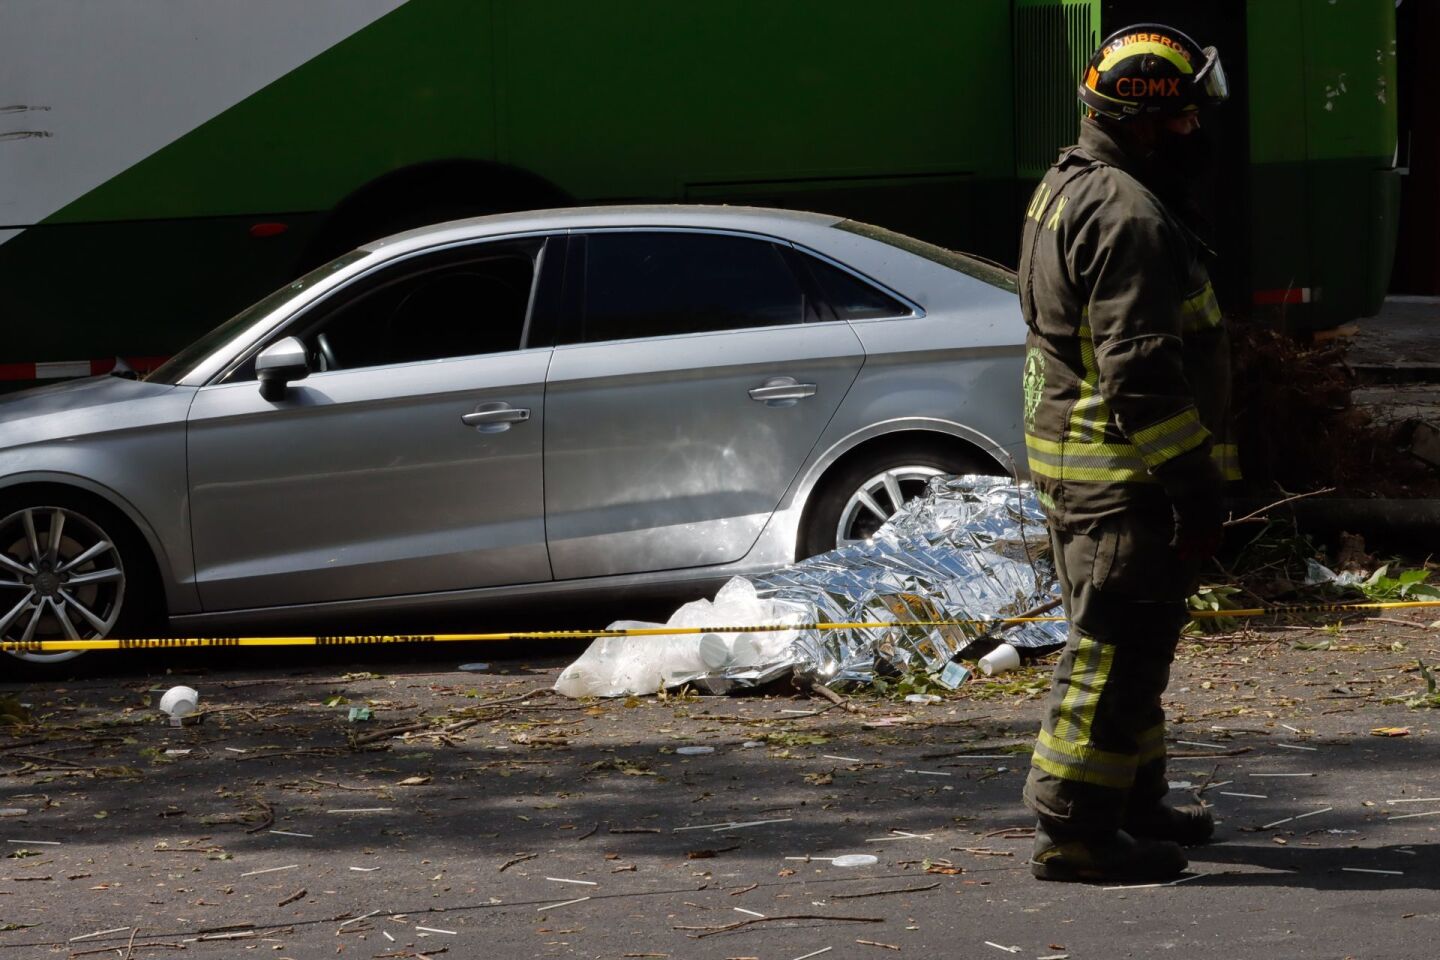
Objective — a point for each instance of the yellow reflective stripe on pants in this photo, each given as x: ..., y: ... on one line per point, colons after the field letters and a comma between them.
x: 1071, y: 761
x: 1087, y: 683
x: 1200, y: 311
x: 1086, y: 462
x: 1227, y: 458
x: 1090, y: 413
x: 1166, y: 440
x: 1152, y: 744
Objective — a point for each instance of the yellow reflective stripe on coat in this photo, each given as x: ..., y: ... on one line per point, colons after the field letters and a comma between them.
x: 1108, y: 462
x: 1200, y: 310
x: 1166, y: 440
x: 1086, y: 462
x: 1090, y: 413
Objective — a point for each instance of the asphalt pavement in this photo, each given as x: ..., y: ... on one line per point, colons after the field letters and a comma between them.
x: 475, y: 814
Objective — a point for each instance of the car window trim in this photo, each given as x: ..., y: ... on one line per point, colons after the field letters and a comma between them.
x: 576, y: 263
x: 915, y: 310
x: 277, y: 329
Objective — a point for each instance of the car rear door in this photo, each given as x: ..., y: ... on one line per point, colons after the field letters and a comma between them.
x: 693, y: 376
x: 373, y: 478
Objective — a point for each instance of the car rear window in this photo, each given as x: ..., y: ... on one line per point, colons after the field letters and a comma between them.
x: 851, y: 297
x: 663, y: 283
x: 968, y: 264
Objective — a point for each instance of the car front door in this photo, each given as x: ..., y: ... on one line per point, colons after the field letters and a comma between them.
x: 373, y: 477
x: 693, y: 377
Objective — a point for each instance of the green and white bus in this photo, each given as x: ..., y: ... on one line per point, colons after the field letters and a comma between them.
x: 165, y: 162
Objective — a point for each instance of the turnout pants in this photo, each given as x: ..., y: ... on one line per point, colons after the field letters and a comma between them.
x: 1101, y: 749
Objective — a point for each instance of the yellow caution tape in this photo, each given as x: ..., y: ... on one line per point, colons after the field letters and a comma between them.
x: 341, y: 640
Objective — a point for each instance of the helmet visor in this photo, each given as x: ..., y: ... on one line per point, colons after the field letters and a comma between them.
x: 1210, y: 80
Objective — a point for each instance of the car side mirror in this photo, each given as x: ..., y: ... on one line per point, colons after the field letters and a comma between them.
x: 279, y: 364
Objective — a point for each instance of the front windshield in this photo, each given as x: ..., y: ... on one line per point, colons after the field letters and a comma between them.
x: 175, y: 369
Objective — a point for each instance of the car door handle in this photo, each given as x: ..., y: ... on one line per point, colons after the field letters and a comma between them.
x: 782, y: 392
x: 495, y: 417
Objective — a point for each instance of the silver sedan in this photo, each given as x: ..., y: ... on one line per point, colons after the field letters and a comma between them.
x: 526, y: 406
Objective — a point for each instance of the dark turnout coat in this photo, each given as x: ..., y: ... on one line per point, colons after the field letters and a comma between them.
x: 1127, y: 378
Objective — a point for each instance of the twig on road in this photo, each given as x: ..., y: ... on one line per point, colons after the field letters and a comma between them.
x: 725, y: 928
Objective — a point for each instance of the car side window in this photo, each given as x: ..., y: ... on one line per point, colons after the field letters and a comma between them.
x: 850, y: 297
x: 457, y: 303
x: 659, y: 284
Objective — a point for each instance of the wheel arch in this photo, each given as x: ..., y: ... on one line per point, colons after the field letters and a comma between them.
x: 155, y: 557
x: 939, y: 435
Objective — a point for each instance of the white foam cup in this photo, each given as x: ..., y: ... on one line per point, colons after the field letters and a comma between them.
x: 179, y: 701
x: 999, y: 660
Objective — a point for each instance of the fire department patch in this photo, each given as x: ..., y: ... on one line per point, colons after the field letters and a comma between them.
x: 1033, y: 382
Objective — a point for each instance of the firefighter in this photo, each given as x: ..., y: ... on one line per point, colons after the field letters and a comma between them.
x: 1126, y: 384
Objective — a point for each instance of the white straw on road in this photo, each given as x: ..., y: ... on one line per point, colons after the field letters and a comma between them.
x: 364, y: 869
x: 752, y: 823
x: 256, y: 873
x: 1151, y: 886
x: 586, y: 883
x: 1292, y: 729
x: 1251, y: 796
x: 362, y: 916
x: 387, y: 935
x: 998, y: 946
x: 1389, y: 873
x: 565, y: 903
x: 1300, y: 816
x: 703, y: 826
x: 749, y: 912
x: 362, y: 810
x: 448, y: 933
x: 826, y: 756
x: 815, y: 953
x: 39, y: 843
x: 1416, y: 800
x: 1262, y: 775
x: 98, y: 933
x: 1409, y: 816
x: 287, y: 833
x: 1296, y: 746
x: 1199, y: 743
x: 931, y: 773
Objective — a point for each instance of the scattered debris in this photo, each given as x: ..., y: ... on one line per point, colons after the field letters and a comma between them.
x: 178, y: 703
x: 256, y: 873
x: 883, y: 893
x: 710, y: 931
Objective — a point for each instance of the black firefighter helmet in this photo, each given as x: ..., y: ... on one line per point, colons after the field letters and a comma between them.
x: 1150, y: 68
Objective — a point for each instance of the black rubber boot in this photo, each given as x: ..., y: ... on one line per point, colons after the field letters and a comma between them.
x: 1187, y: 824
x: 1107, y: 858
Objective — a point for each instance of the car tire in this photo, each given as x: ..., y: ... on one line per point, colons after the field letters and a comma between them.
x: 98, y: 582
x: 847, y: 506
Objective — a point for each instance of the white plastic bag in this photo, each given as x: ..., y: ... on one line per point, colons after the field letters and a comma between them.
x: 635, y: 666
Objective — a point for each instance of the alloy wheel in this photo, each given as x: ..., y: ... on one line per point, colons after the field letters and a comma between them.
x: 878, y: 498
x: 61, y: 577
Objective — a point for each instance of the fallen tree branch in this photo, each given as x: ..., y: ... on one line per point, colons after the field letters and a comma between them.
x: 1259, y: 515
x: 712, y: 931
